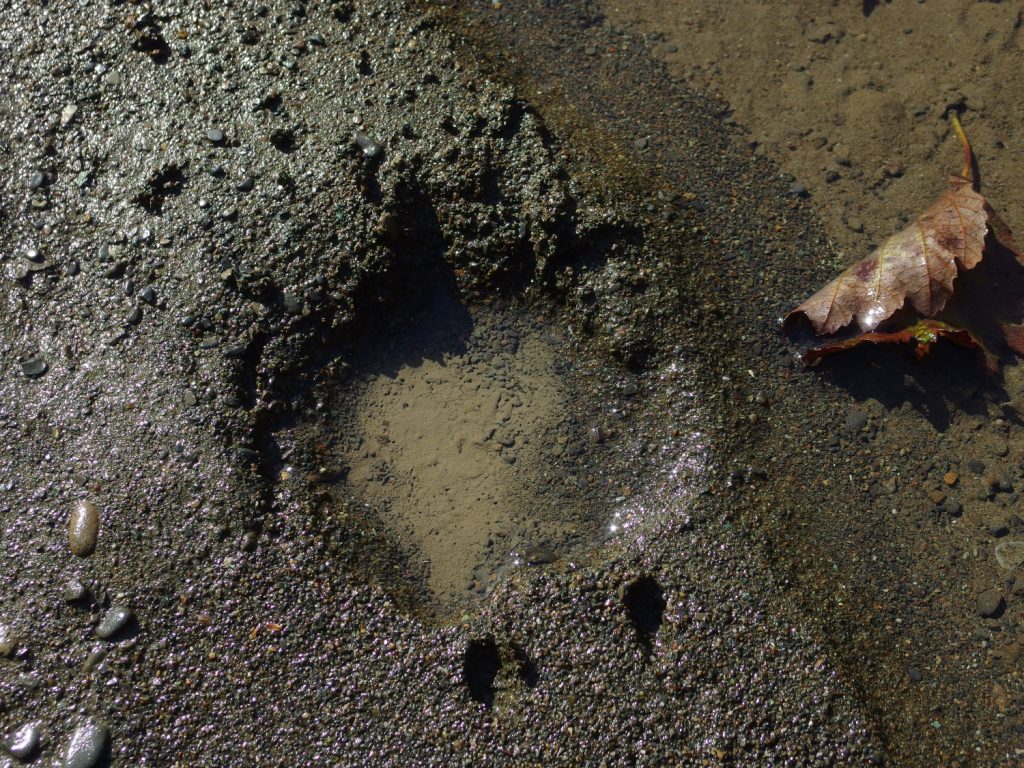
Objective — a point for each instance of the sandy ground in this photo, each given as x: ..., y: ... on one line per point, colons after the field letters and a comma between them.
x: 850, y: 99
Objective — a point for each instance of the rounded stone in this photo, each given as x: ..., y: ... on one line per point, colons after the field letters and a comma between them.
x: 1010, y: 554
x: 113, y: 621
x: 990, y: 603
x: 22, y: 742
x: 87, y: 745
x: 215, y: 135
x: 8, y: 641
x: 34, y: 367
x: 83, y: 528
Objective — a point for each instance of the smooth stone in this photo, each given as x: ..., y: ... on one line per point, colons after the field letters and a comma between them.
x: 1010, y: 554
x: 539, y: 556
x: 22, y: 742
x: 990, y: 603
x: 8, y: 642
x: 34, y: 367
x: 86, y: 745
x: 83, y: 528
x: 113, y: 621
x: 73, y: 591
x: 215, y: 135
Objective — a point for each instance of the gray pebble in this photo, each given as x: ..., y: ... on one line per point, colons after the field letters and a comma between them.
x: 798, y: 190
x: 148, y: 295
x: 215, y: 135
x: 73, y: 591
x: 87, y: 745
x: 22, y: 742
x: 539, y: 556
x: 189, y: 398
x: 246, y: 184
x: 34, y: 367
x: 134, y: 317
x: 83, y: 528
x: 856, y: 421
x: 115, y: 270
x: 914, y: 674
x: 990, y: 603
x: 370, y: 147
x: 36, y: 180
x: 1010, y: 554
x: 114, y: 620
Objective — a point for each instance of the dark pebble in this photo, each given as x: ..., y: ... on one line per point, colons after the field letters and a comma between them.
x: 798, y: 190
x: 990, y: 603
x: 248, y: 455
x: 249, y: 541
x: 246, y: 184
x: 134, y: 317
x: 215, y: 135
x: 999, y: 530
x: 856, y: 421
x: 977, y: 466
x: 114, y: 620
x: 87, y: 745
x: 148, y: 294
x: 914, y: 674
x: 953, y: 508
x: 22, y: 742
x: 235, y: 350
x: 83, y: 528
x: 115, y: 270
x: 629, y: 389
x: 34, y: 367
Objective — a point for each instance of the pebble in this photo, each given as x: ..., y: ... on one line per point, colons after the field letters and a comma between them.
x: 83, y: 528
x: 798, y: 190
x: 36, y: 180
x: 114, y: 620
x: 370, y: 147
x: 1010, y: 554
x: 73, y: 591
x: 22, y: 742
x: 8, y: 642
x: 87, y: 745
x: 148, y: 294
x: 215, y: 135
x: 950, y: 478
x: 998, y: 530
x: 539, y: 556
x: 246, y: 184
x: 115, y: 270
x: 134, y: 317
x: 914, y: 674
x: 856, y: 421
x: 990, y: 603
x: 189, y: 398
x: 68, y: 114
x: 34, y: 367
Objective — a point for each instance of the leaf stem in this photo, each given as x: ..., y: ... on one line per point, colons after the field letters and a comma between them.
x: 968, y: 169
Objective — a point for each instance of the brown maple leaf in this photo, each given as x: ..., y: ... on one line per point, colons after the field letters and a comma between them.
x: 917, y: 264
x: 914, y: 271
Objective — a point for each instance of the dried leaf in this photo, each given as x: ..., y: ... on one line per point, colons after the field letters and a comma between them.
x: 918, y: 264
x: 922, y: 334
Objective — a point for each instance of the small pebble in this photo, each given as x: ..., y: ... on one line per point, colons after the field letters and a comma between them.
x: 68, y: 114
x: 34, y: 367
x: 73, y: 591
x: 215, y: 135
x: 22, y: 742
x: 950, y: 478
x: 249, y: 541
x: 87, y: 745
x: 914, y: 674
x: 856, y: 421
x: 246, y: 184
x: 990, y: 603
x: 370, y: 147
x: 83, y: 528
x: 8, y: 642
x: 1010, y: 554
x: 189, y: 399
x: 134, y: 317
x: 113, y: 621
x: 148, y: 294
x: 36, y: 180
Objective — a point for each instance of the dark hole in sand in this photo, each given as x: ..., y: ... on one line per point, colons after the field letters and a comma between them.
x: 480, y: 667
x: 645, y: 602
x: 528, y: 671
